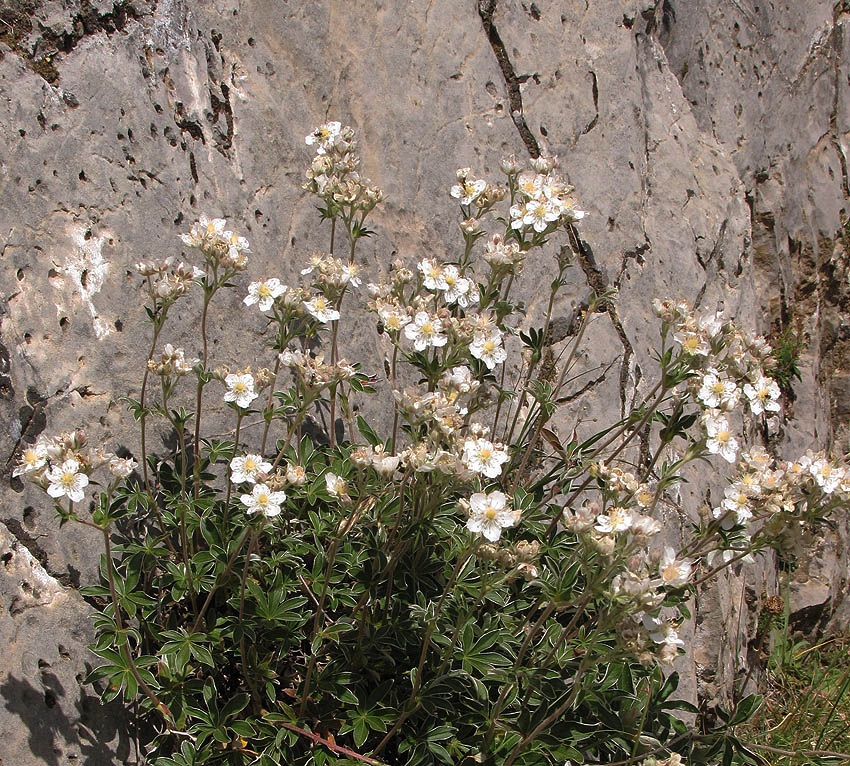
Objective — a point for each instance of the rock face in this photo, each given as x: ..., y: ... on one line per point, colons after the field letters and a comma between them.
x: 707, y: 140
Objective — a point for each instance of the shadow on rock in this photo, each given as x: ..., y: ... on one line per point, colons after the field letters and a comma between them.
x: 98, y: 737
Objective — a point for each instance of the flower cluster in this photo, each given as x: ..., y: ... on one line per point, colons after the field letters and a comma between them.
x: 172, y: 361
x: 313, y: 373
x: 775, y: 491
x: 62, y: 465
x: 168, y: 282
x: 543, y: 200
x: 475, y: 193
x: 333, y: 175
x: 729, y: 367
x: 219, y: 245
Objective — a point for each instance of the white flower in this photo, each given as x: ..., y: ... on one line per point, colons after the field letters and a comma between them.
x: 674, y: 573
x: 295, y: 475
x: 502, y: 255
x: 827, y: 476
x: 530, y: 184
x: 711, y: 324
x: 644, y: 526
x: 32, y: 458
x: 517, y: 213
x: 763, y: 395
x: 485, y: 457
x: 321, y: 309
x: 263, y: 500
x: 692, y: 343
x: 324, y: 137
x: 385, y: 465
x: 264, y: 293
x: 236, y: 247
x: 204, y: 230
x: 737, y: 502
x: 246, y: 468
x: 67, y: 480
x: 539, y: 214
x: 579, y: 520
x: 240, y: 389
x: 715, y: 557
x: 468, y: 191
x: 490, y: 514
x: 488, y: 348
x: 616, y: 520
x: 459, y: 379
x: 718, y: 392
x: 336, y: 485
x: 122, y: 467
x: 348, y: 275
x: 431, y: 273
x: 662, y: 631
x: 456, y: 288
x: 424, y: 331
x: 313, y: 263
x: 393, y: 317
x: 720, y: 440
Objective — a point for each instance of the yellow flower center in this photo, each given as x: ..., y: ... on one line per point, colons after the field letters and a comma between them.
x: 262, y: 498
x: 264, y: 291
x: 670, y: 572
x: 723, y: 437
x: 427, y: 329
x: 68, y: 479
x: 489, y: 346
x: 718, y: 387
x: 30, y: 457
x: 490, y: 513
x: 321, y: 304
x: 450, y: 280
x: 485, y: 454
x: 250, y: 465
x: 240, y: 387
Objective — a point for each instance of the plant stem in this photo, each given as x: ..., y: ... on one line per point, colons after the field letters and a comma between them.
x: 590, y: 479
x: 208, y: 294
x: 268, y: 413
x: 157, y: 703
x: 318, y: 617
x: 409, y: 707
x: 156, y: 330
x: 239, y: 416
x: 332, y: 746
x: 224, y: 574
x: 393, y: 443
x: 254, y: 693
x: 559, y: 711
x: 547, y: 612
